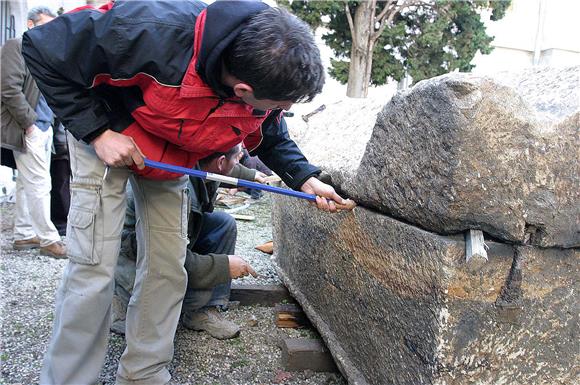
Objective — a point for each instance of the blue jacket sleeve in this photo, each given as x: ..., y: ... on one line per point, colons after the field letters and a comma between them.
x: 282, y: 155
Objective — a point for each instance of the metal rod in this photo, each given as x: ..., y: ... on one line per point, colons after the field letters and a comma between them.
x: 227, y: 179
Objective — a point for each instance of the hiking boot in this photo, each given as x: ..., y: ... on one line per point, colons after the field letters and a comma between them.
x: 55, y: 250
x: 211, y: 321
x: 26, y: 244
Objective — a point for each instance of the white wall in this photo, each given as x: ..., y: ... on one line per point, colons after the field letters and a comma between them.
x: 547, y: 28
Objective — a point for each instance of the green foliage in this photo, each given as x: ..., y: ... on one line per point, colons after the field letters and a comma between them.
x: 432, y: 39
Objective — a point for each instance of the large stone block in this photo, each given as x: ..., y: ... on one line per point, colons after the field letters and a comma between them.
x: 396, y: 304
x: 461, y: 152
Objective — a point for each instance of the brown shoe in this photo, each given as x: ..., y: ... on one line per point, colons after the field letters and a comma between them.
x: 55, y: 250
x: 26, y: 244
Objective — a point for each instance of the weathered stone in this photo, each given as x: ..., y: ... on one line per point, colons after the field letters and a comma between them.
x: 397, y: 305
x: 462, y: 152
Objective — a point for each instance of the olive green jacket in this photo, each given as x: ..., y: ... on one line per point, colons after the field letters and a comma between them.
x: 19, y: 96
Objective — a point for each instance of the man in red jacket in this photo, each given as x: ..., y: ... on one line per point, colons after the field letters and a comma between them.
x: 173, y: 81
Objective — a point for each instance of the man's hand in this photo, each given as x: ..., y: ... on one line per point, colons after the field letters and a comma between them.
x: 240, y: 268
x: 260, y: 177
x: 118, y: 150
x: 30, y: 130
x: 325, y: 194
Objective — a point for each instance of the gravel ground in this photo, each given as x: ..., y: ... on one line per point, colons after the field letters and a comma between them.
x: 29, y: 282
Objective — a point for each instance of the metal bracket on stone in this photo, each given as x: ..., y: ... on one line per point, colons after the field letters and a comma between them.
x: 475, y: 250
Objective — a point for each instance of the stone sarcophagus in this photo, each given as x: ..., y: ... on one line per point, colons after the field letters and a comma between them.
x: 387, y: 284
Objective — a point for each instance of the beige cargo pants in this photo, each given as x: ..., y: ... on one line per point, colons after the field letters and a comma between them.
x: 80, y: 334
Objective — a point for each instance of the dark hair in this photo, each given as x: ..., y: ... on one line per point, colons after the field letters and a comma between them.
x: 229, y: 154
x: 275, y: 53
x: 34, y: 13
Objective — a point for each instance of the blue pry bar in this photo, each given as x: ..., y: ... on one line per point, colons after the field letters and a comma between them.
x: 228, y: 179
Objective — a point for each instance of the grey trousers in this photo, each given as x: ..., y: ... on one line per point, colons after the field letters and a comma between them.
x: 79, y: 340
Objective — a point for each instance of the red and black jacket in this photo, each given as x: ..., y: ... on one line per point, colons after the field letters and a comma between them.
x: 152, y: 70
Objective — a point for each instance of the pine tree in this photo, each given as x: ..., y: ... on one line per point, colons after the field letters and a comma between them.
x: 377, y: 40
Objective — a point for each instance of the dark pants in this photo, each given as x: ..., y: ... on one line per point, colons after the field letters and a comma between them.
x: 217, y: 236
x: 60, y: 193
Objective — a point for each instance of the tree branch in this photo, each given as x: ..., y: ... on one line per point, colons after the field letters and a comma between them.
x: 381, y: 15
x: 349, y: 18
x: 387, y: 18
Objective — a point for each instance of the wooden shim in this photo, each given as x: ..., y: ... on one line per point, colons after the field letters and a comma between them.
x: 243, y: 217
x: 306, y: 354
x: 475, y: 250
x: 291, y: 316
x: 263, y: 295
x: 267, y: 247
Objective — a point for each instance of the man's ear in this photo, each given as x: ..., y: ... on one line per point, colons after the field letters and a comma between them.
x: 242, y: 89
x: 220, y: 162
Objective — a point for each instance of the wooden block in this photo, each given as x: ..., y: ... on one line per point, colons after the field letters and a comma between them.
x: 267, y: 247
x: 243, y: 217
x: 263, y: 295
x: 475, y: 250
x: 306, y: 354
x: 290, y: 316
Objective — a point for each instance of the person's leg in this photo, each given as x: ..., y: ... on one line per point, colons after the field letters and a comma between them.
x: 34, y: 173
x: 77, y: 348
x: 60, y: 193
x: 162, y: 209
x: 201, y: 307
x: 23, y: 230
x: 217, y: 235
x: 124, y: 278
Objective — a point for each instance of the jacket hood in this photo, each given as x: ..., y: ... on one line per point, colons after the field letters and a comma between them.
x: 224, y: 20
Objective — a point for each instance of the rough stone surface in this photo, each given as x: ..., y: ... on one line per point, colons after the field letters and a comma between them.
x: 396, y: 304
x: 461, y: 152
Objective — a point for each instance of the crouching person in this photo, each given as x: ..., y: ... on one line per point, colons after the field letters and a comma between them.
x: 210, y: 262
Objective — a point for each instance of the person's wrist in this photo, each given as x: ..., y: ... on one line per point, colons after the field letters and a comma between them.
x: 90, y: 138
